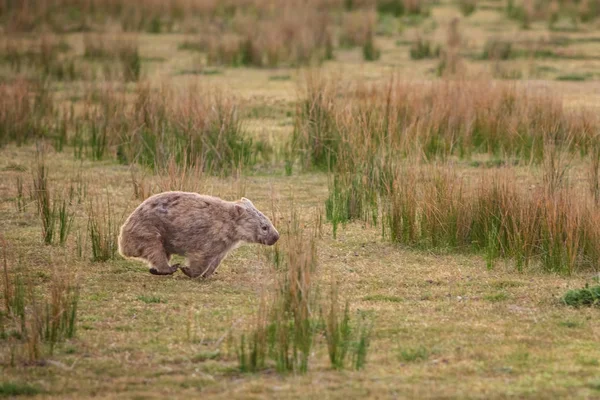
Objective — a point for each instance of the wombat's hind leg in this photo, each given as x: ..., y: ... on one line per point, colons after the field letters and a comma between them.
x: 200, y: 266
x: 158, y: 260
x: 197, y: 266
x: 212, y: 266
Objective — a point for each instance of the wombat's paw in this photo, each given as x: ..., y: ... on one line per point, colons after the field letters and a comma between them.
x: 189, y: 273
x: 170, y: 271
x: 186, y: 271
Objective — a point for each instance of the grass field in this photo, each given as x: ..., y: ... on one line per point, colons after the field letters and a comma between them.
x: 433, y: 168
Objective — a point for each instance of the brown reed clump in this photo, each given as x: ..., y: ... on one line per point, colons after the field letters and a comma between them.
x: 434, y: 208
x: 434, y: 121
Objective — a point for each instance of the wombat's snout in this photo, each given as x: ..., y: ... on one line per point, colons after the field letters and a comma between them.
x: 273, y: 239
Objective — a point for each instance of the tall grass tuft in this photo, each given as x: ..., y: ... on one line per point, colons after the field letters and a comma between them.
x: 288, y: 320
x: 363, y: 123
x: 54, y: 213
x: 253, y: 349
x: 556, y: 165
x: 344, y: 338
x: 292, y: 34
x: 191, y: 128
x: 423, y: 48
x: 370, y: 51
x: 44, y: 56
x: 187, y: 175
x: 60, y: 314
x: 292, y: 328
x: 42, y: 195
x: 39, y: 318
x: 439, y: 210
x: 194, y: 127
x: 131, y: 62
x: 349, y: 199
x: 467, y: 7
x: 20, y: 198
x: 594, y: 173
x: 102, y: 231
x: 285, y: 327
x: 24, y: 111
x: 315, y: 136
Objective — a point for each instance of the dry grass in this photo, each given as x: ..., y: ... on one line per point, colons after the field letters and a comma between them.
x: 435, y: 120
x: 439, y: 210
x: 195, y: 127
x: 406, y: 314
x: 465, y: 207
x: 292, y: 35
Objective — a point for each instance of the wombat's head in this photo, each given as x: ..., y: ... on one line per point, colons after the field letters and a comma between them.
x: 252, y: 225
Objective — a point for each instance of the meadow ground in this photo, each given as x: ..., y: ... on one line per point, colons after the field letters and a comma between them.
x: 446, y: 321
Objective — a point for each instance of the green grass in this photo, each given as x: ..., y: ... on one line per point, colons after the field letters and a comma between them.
x: 383, y: 298
x: 573, y: 77
x: 496, y: 297
x: 150, y: 299
x: 422, y: 49
x: 412, y: 355
x: 282, y: 77
x: 14, y: 389
x: 204, y: 71
x: 587, y: 296
x: 570, y: 324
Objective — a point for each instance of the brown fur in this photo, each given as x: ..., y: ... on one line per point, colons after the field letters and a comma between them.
x: 201, y: 228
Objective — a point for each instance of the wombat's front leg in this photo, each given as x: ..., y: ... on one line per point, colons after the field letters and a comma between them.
x: 172, y: 269
x: 159, y: 262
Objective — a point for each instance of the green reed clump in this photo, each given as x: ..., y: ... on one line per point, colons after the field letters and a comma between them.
x: 103, y: 231
x: 54, y: 213
x: 346, y: 339
x: 46, y: 56
x: 350, y: 199
x: 423, y: 48
x: 315, y: 136
x: 44, y: 202
x: 253, y: 350
x: 285, y: 326
x: 195, y: 129
x: 131, y: 62
x: 402, y: 7
x: 288, y: 321
x: 20, y: 199
x: 38, y: 320
x: 292, y: 326
x: 467, y: 7
x: 370, y: 51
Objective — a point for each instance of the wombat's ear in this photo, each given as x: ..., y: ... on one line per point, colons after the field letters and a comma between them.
x: 247, y: 201
x: 238, y: 209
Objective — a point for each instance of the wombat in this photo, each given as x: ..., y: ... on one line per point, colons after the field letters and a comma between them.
x: 201, y: 228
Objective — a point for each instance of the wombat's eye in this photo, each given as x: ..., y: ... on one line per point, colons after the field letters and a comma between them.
x: 264, y: 228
